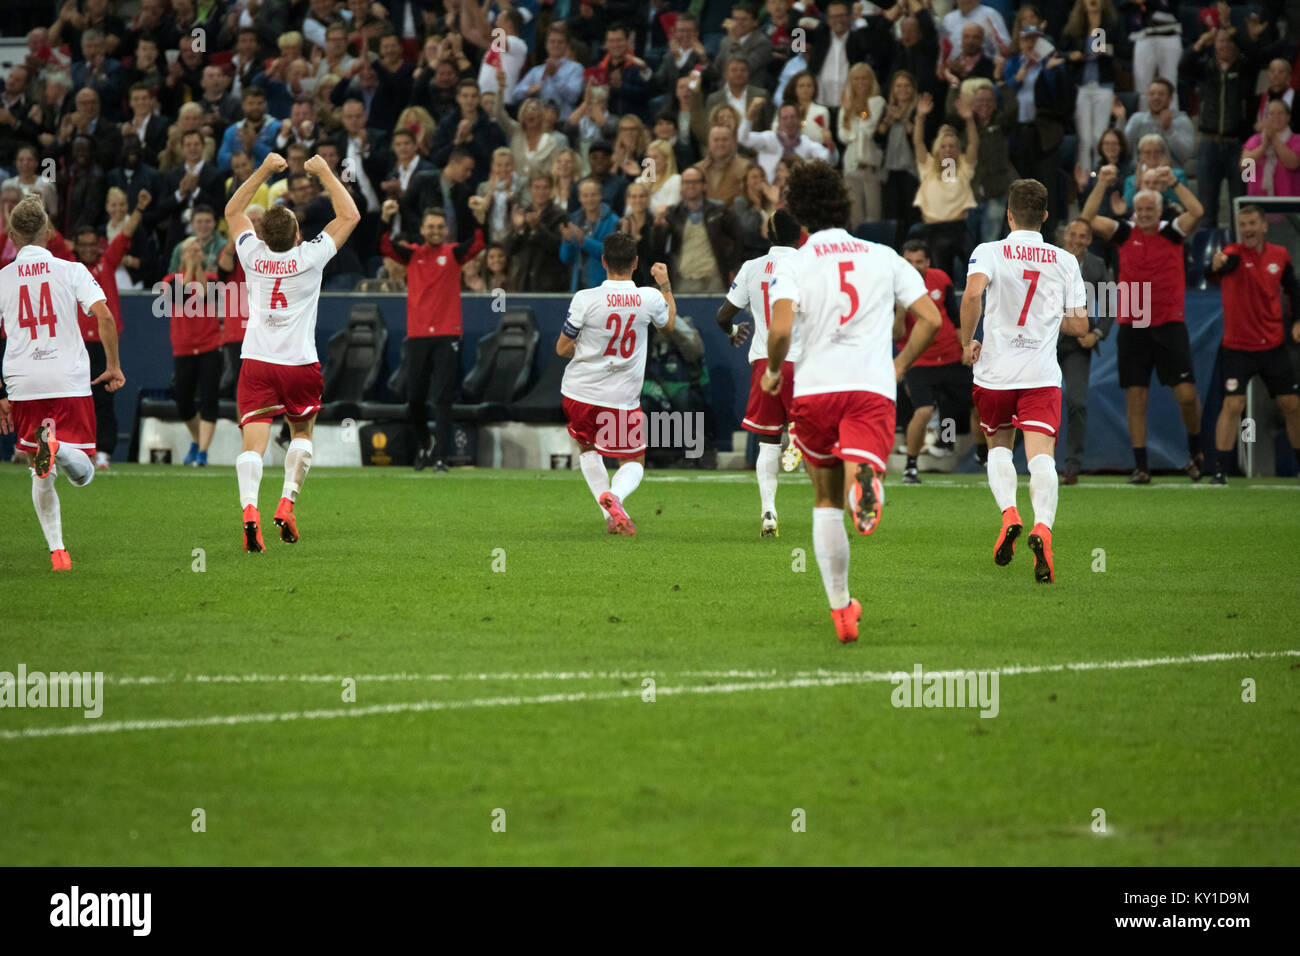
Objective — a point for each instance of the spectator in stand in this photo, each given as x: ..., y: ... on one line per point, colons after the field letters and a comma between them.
x: 969, y: 59
x: 861, y: 109
x: 699, y: 239
x: 332, y: 58
x: 99, y: 72
x: 557, y: 78
x: 629, y: 147
x: 241, y: 167
x: 1156, y: 37
x: 626, y: 75
x: 785, y: 140
x: 255, y: 133
x: 686, y: 55
x: 993, y: 168
x: 105, y: 136
x: 134, y: 174
x: 1278, y: 80
x: 432, y: 334
x: 145, y: 124
x: 49, y: 115
x: 184, y: 80
x: 689, y: 117
x: 396, y: 76
x: 744, y: 41
x: 196, y: 182
x: 533, y: 246
x: 1113, y: 151
x: 472, y: 129
x: 497, y: 195
x: 434, y: 89
x: 221, y: 108
x: 247, y: 61
x: 1270, y: 160
x: 1254, y: 273
x: 189, y: 118
x: 592, y: 121
x: 1074, y: 354
x: 28, y: 181
x: 407, y: 164
x: 82, y: 186
x: 1152, y: 156
x: 917, y: 50
x: 638, y: 222
x: 203, y: 227
x: 1091, y: 56
x: 139, y: 263
x: 782, y: 21
x: 612, y: 182
x: 296, y: 159
x: 724, y: 171
x: 752, y: 209
x: 300, y: 127
x: 566, y: 170
x: 738, y: 93
x: 1042, y: 90
x: 16, y: 106
x: 833, y: 46
x: 496, y: 269
x: 196, y: 346
x: 1160, y: 116
x: 814, y: 119
x: 665, y: 129
x: 1225, y: 87
x: 997, y: 39
x: 234, y: 321
x: 661, y: 176
x: 894, y: 136
x: 471, y: 276
x: 583, y: 236
x: 945, y: 196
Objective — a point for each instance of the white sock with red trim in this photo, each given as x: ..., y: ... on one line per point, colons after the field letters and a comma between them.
x: 767, y: 468
x: 297, y: 461
x: 248, y: 468
x: 1043, y: 489
x: 831, y: 545
x: 46, y: 500
x: 626, y: 479
x: 593, y: 469
x: 76, y: 464
x: 1002, y: 478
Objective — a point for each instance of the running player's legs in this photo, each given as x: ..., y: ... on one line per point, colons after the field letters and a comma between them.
x: 766, y: 416
x: 616, y: 433
x: 1038, y: 416
x: 56, y: 433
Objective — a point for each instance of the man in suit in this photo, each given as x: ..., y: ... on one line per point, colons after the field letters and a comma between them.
x: 1075, y: 354
x: 833, y: 47
x: 700, y: 239
x: 724, y: 170
x: 685, y: 53
x: 407, y: 163
x: 221, y: 108
x: 193, y: 183
x: 85, y: 120
x: 743, y: 40
x: 471, y: 129
x: 99, y: 72
x: 448, y: 189
x: 16, y: 124
x: 364, y: 159
x: 134, y: 174
x: 146, y: 125
x: 738, y: 93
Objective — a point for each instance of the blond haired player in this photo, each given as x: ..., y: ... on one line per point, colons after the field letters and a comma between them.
x: 842, y: 291
x: 1035, y: 293
x: 45, y: 385
x: 280, y: 374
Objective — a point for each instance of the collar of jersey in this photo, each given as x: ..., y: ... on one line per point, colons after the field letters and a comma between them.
x: 1025, y: 232
x: 34, y: 249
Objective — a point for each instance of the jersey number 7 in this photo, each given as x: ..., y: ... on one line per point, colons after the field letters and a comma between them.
x: 29, y: 320
x: 1032, y: 275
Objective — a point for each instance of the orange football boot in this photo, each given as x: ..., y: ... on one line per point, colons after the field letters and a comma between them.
x: 60, y: 561
x: 285, y: 521
x: 1040, y: 542
x: 1005, y: 549
x: 623, y: 524
x: 252, y: 531
x: 46, y: 449
x: 866, y: 499
x: 846, y: 621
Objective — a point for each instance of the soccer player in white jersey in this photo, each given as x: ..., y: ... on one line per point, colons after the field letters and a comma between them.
x: 45, y: 383
x: 605, y: 336
x: 765, y: 415
x: 280, y: 374
x: 1035, y: 293
x: 840, y: 291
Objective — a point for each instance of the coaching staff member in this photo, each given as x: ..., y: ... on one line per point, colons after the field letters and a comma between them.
x: 1075, y: 353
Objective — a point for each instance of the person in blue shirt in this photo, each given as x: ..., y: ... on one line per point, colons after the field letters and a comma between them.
x: 583, y: 237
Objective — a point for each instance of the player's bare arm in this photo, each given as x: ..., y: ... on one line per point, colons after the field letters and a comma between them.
x: 659, y: 272
x: 112, y: 377
x: 1075, y: 321
x: 971, y: 303
x: 778, y: 344
x: 566, y: 346
x: 346, y: 215
x: 928, y: 321
x: 236, y: 221
x: 1102, y: 226
x: 6, y: 418
x: 900, y: 322
x: 736, y: 331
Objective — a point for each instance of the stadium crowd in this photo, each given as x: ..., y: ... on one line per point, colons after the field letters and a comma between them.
x: 539, y: 127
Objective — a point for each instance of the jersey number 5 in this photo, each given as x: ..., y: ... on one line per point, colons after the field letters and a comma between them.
x: 278, y: 301
x: 850, y: 289
x: 625, y: 345
x: 1032, y: 275
x: 29, y: 320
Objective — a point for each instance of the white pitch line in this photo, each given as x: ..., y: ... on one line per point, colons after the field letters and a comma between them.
x: 831, y: 679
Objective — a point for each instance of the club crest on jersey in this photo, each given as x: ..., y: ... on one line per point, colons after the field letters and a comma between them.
x: 442, y: 260
x: 936, y: 294
x: 1274, y: 268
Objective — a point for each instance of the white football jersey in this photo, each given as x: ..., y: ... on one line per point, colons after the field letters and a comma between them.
x: 749, y: 290
x: 1031, y: 285
x: 45, y: 356
x: 844, y: 291
x: 612, y: 323
x: 283, y: 291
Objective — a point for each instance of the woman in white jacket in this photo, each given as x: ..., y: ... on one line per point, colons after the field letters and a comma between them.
x: 861, y: 107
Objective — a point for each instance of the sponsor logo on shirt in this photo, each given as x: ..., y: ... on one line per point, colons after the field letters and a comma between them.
x: 1022, y: 341
x: 41, y: 355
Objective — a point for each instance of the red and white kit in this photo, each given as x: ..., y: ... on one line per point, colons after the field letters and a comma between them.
x: 764, y: 414
x: 281, y: 374
x: 601, y: 388
x: 1031, y: 284
x: 46, y: 366
x: 844, y: 291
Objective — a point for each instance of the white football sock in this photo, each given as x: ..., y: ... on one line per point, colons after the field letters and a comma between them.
x: 76, y: 464
x: 767, y: 468
x: 1043, y: 488
x: 46, y: 500
x: 626, y: 479
x: 593, y: 469
x: 248, y: 467
x: 831, y: 545
x: 297, y: 461
x: 1002, y: 478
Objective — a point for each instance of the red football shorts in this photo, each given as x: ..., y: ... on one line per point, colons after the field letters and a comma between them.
x: 1029, y: 409
x: 848, y: 426
x: 767, y: 414
x: 267, y: 390
x: 616, y: 432
x: 71, y: 421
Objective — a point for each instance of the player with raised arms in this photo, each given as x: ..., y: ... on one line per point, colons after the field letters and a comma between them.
x: 765, y: 415
x: 605, y: 336
x: 280, y: 374
x: 1035, y: 293
x: 841, y: 293
x: 45, y: 385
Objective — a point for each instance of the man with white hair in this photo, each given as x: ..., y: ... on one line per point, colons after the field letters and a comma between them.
x: 1152, y: 335
x: 45, y: 383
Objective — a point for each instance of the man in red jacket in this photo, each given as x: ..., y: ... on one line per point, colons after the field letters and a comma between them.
x: 433, y: 325
x: 196, y: 348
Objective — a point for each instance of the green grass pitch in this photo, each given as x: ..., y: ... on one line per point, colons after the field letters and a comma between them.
x: 499, y: 642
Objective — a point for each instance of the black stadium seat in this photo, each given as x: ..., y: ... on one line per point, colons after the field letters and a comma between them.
x: 503, y: 368
x: 541, y: 403
x: 354, y: 363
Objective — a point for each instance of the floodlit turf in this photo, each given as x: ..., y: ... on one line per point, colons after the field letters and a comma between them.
x: 519, y: 688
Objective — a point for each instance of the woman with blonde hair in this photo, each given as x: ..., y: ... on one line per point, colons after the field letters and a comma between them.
x: 661, y: 176
x: 532, y: 147
x: 898, y: 158
x: 422, y: 127
x: 566, y: 170
x: 945, y: 195
x: 629, y: 145
x: 861, y: 107
x: 638, y: 222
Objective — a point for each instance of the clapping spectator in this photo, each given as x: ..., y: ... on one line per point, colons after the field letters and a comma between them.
x: 1278, y: 87
x: 944, y: 195
x: 557, y: 78
x: 814, y: 119
x: 861, y: 109
x: 699, y: 238
x: 724, y: 170
x: 638, y: 222
x: 533, y: 246
x: 1270, y: 159
x: 661, y: 176
x: 994, y: 170
x: 407, y: 164
x: 589, y: 224
x: 785, y: 140
x: 497, y: 195
x: 898, y: 164
x: 470, y: 128
x: 566, y: 170
x: 254, y: 134
x: 751, y: 209
x: 1152, y: 156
